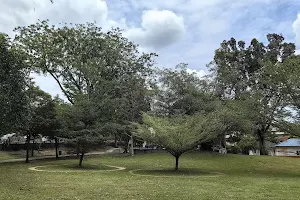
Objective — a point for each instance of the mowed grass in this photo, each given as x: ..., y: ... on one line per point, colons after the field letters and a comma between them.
x: 4, y: 155
x: 8, y: 155
x: 243, y: 177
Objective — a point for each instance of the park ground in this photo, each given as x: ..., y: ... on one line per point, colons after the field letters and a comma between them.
x: 201, y: 176
x: 21, y: 154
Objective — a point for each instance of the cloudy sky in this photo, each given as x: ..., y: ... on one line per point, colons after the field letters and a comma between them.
x: 178, y: 30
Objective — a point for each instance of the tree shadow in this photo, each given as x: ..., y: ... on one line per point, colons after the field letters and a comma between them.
x: 173, y: 172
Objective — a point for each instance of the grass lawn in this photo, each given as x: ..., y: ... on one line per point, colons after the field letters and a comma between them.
x: 236, y: 177
x: 5, y: 155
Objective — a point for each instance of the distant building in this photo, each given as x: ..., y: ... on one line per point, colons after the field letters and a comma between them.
x: 291, y: 147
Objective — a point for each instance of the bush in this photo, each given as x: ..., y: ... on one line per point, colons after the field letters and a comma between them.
x: 246, y: 144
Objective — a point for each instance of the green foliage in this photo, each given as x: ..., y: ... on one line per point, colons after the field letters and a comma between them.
x: 258, y: 75
x: 43, y: 117
x: 292, y: 128
x: 181, y: 92
x: 13, y: 81
x: 178, y: 134
x: 247, y: 143
x: 83, y: 59
x: 102, y: 74
x: 234, y: 116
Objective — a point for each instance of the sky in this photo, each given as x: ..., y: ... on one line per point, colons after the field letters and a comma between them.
x: 179, y: 31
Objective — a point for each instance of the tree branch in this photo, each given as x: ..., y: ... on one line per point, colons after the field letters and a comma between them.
x: 61, y: 87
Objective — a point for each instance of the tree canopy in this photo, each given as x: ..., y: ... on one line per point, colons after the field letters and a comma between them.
x: 257, y: 74
x: 102, y: 74
x: 178, y: 134
x: 181, y: 92
x: 82, y: 58
x: 13, y: 83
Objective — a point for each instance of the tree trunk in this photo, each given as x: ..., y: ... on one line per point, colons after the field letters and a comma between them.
x: 262, y: 145
x: 56, y: 147
x: 81, y: 158
x: 116, y: 141
x: 126, y: 145
x: 32, y: 149
x: 224, y: 140
x: 176, y: 163
x: 27, y: 148
x: 131, y: 148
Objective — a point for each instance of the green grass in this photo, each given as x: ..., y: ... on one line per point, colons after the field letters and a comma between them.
x: 4, y: 155
x: 70, y: 167
x: 186, y: 172
x: 7, y: 155
x: 244, y: 177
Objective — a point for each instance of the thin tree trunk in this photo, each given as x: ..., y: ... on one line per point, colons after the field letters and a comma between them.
x: 176, y: 163
x: 81, y: 158
x: 224, y: 140
x: 56, y: 147
x: 27, y: 148
x: 131, y: 148
x: 116, y: 141
x: 126, y: 145
x: 32, y: 149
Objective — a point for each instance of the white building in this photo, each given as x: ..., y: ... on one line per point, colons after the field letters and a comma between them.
x: 291, y: 147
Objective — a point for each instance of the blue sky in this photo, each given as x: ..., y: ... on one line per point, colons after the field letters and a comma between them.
x: 178, y: 30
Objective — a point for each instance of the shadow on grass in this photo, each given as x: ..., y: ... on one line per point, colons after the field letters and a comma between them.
x: 172, y: 172
x: 86, y: 167
x: 263, y: 173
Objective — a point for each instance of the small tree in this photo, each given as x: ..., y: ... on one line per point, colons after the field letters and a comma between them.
x: 42, y: 118
x: 79, y: 125
x: 178, y: 134
x: 84, y: 141
x: 247, y: 143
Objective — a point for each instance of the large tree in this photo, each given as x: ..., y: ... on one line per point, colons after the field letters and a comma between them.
x: 180, y: 92
x: 178, y: 134
x: 256, y: 74
x: 13, y: 83
x: 101, y: 69
x: 81, y: 57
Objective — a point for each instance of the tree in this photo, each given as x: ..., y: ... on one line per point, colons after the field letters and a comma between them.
x: 256, y: 74
x: 247, y: 143
x: 42, y: 119
x: 234, y: 118
x: 103, y: 70
x: 178, y: 134
x: 13, y: 82
x: 81, y: 58
x: 80, y: 125
x: 181, y: 92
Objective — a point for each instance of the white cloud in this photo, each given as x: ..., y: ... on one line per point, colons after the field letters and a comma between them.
x: 296, y: 29
x: 47, y: 84
x: 15, y: 13
x: 181, y: 31
x: 199, y: 73
x: 159, y: 28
